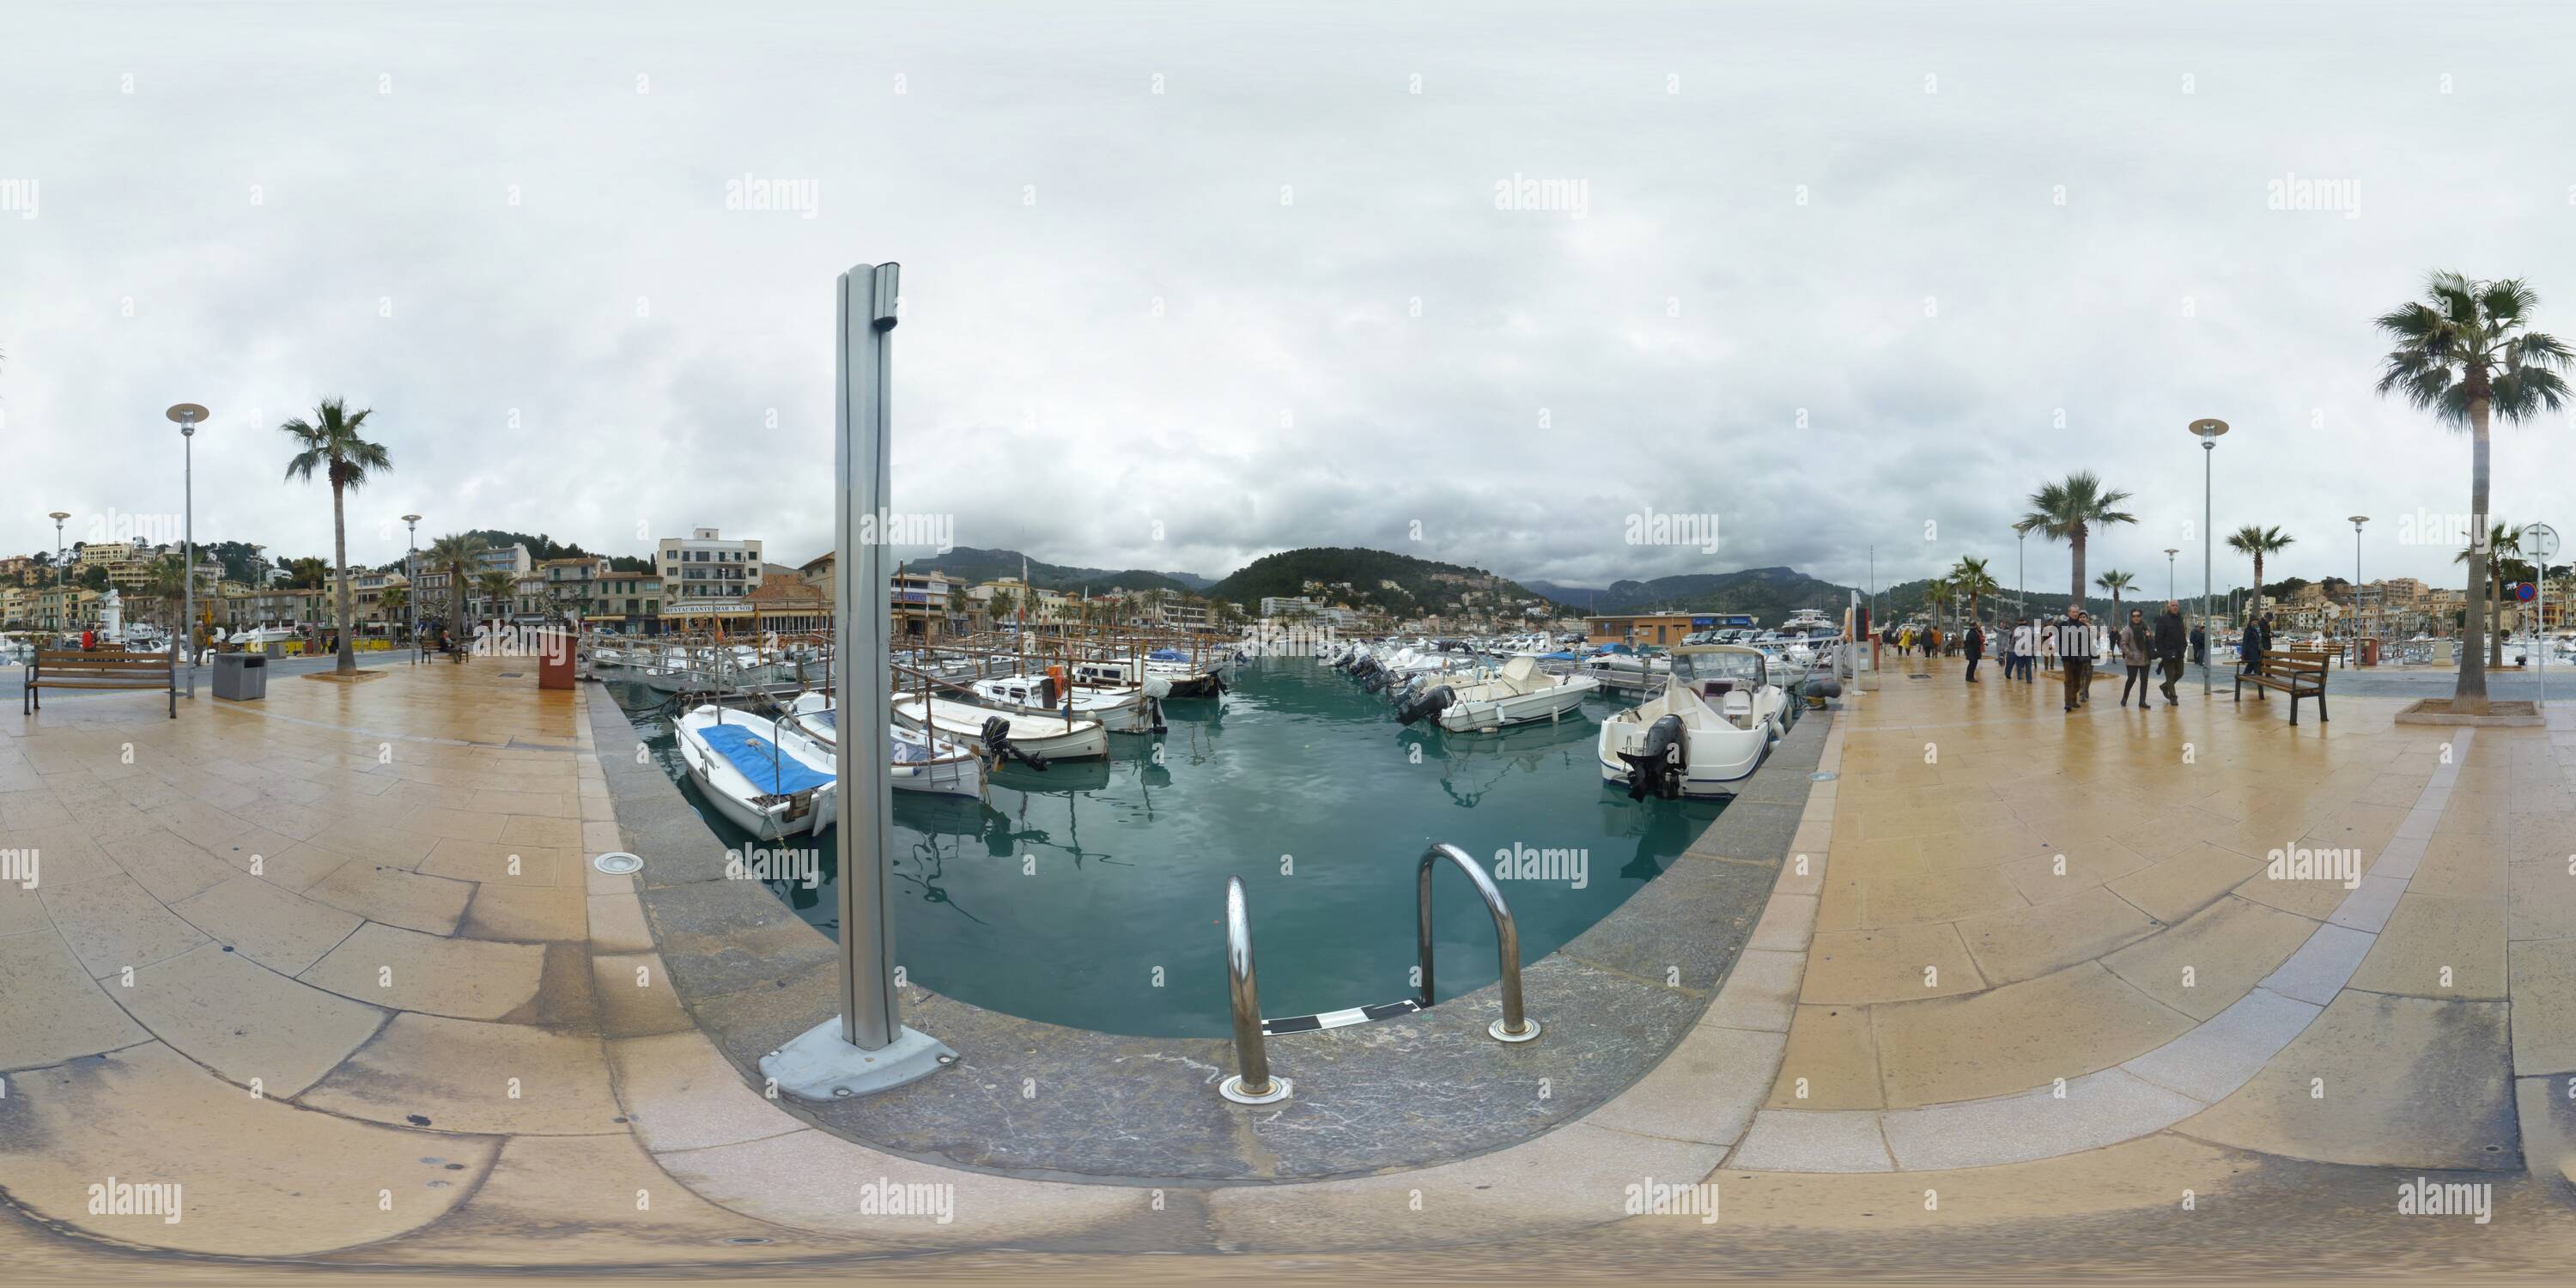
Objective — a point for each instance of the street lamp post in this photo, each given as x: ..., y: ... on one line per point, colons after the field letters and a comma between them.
x: 2540, y: 541
x: 411, y: 575
x: 2357, y: 521
x: 188, y: 415
x: 2170, y: 552
x: 2207, y: 431
x: 58, y: 516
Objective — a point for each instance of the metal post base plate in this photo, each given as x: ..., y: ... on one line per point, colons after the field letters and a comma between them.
x: 1497, y: 1032
x: 817, y: 1065
x: 1232, y: 1089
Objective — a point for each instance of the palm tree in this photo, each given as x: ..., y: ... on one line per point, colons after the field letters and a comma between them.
x: 495, y: 588
x: 2069, y: 511
x: 307, y: 574
x: 1970, y: 578
x: 331, y: 446
x: 2504, y: 547
x: 455, y: 555
x: 396, y: 601
x: 2465, y: 352
x: 2115, y: 581
x: 2258, y: 542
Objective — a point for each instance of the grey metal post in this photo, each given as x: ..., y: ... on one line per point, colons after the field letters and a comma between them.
x: 866, y: 1048
x: 1251, y: 1083
x: 2208, y: 431
x: 185, y: 638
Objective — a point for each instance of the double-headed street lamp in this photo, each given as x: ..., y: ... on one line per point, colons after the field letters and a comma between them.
x: 188, y: 415
x: 2207, y: 431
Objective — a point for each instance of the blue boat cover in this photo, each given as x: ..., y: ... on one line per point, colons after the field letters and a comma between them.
x: 1168, y: 655
x: 751, y: 753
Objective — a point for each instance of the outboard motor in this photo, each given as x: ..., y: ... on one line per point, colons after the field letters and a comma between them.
x: 1658, y: 769
x: 997, y: 742
x: 1429, y: 704
x: 1378, y: 680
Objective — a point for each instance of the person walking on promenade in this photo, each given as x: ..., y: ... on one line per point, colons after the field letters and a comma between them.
x: 1905, y: 642
x: 2133, y: 655
x: 2252, y: 645
x: 2048, y: 648
x: 2168, y: 650
x: 2200, y: 645
x: 2074, y: 640
x: 2017, y: 652
x: 1932, y: 641
x: 1976, y: 649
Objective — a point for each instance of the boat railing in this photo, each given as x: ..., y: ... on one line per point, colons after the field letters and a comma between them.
x: 1252, y: 1083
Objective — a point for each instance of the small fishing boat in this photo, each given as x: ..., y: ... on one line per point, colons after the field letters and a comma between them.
x: 1716, y: 717
x: 1118, y: 708
x: 1028, y: 737
x: 768, y: 781
x: 1189, y: 679
x: 916, y: 762
x: 1520, y: 693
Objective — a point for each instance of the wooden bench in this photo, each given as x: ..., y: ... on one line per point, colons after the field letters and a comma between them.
x: 101, y: 669
x: 2301, y: 675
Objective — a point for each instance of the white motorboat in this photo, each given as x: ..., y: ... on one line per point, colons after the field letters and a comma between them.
x: 1034, y: 739
x: 1717, y: 715
x: 768, y: 781
x: 1119, y: 709
x: 916, y: 762
x: 1190, y: 678
x: 1520, y: 693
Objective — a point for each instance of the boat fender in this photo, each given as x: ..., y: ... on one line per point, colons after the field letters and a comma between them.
x: 1657, y: 769
x: 1432, y: 703
x: 1157, y: 688
x: 1822, y: 687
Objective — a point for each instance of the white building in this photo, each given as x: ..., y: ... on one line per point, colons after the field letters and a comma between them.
x: 703, y: 565
x: 1289, y: 606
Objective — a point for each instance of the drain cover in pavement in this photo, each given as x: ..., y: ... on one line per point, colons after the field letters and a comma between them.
x: 618, y: 863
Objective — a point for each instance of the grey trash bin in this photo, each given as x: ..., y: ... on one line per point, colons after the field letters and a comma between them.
x: 241, y: 677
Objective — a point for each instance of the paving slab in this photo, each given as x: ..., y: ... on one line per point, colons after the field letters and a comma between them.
x: 1802, y: 1140
x: 813, y: 1181
x: 1891, y: 964
x: 2204, y: 965
x: 114, y: 925
x: 2386, y: 1081
x: 2026, y: 943
x: 2438, y: 947
x: 258, y: 1176
x: 2017, y: 1037
x: 526, y: 914
x: 2544, y: 1007
x: 56, y: 1011
x: 2198, y: 876
x: 454, y: 1075
x: 2094, y: 1110
x: 406, y: 970
x: 279, y: 929
x: 2320, y: 968
x: 171, y: 868
x: 1830, y: 1061
x: 2221, y: 1054
x: 1705, y: 1089
x: 247, y: 1022
x: 1761, y: 992
x: 395, y: 896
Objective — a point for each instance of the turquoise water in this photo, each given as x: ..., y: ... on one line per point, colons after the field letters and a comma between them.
x: 1093, y: 894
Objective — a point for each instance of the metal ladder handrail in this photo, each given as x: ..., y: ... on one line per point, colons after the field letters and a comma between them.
x: 1515, y: 1026
x: 1252, y: 1083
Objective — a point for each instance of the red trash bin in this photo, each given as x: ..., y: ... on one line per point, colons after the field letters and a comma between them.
x: 554, y: 660
x: 2370, y: 652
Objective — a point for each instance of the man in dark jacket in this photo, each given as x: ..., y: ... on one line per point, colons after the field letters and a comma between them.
x: 2200, y: 645
x: 2253, y: 644
x: 1976, y: 649
x: 2168, y: 648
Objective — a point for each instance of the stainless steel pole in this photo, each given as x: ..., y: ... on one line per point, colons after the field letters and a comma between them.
x: 188, y: 548
x: 870, y: 1011
x: 2208, y: 566
x: 866, y: 1048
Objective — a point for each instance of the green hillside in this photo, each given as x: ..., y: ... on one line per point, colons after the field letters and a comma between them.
x: 1396, y: 584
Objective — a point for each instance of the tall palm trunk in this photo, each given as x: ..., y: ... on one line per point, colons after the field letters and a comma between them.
x: 2075, y: 545
x: 2256, y: 611
x: 340, y: 553
x: 2470, y: 697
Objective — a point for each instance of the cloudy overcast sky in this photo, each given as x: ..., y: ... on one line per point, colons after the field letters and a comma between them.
x: 1185, y: 284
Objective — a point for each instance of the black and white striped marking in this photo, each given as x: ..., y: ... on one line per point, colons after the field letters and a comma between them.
x: 1339, y: 1019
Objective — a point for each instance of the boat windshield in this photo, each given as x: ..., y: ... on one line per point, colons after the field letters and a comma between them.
x: 1743, y: 668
